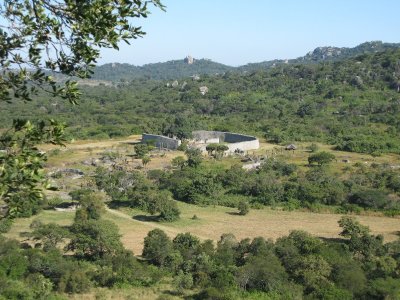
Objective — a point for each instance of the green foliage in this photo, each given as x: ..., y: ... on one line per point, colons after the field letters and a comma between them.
x: 95, y: 239
x: 243, y: 208
x: 145, y: 160
x: 75, y: 32
x: 134, y: 190
x: 313, y: 147
x: 183, y: 281
x: 22, y: 165
x: 74, y: 282
x: 194, y: 157
x: 180, y: 127
x: 157, y: 247
x: 369, y: 198
x: 5, y: 224
x: 50, y: 235
x: 141, y: 150
x: 178, y: 162
x: 321, y: 158
x: 91, y: 206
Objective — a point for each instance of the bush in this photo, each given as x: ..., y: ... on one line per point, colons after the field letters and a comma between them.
x: 54, y: 202
x: 369, y: 198
x: 157, y: 246
x: 313, y: 147
x: 169, y: 212
x: 75, y: 281
x: 321, y: 158
x: 243, y: 208
x: 5, y: 225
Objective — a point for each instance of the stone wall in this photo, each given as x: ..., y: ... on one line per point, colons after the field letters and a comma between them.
x: 161, y: 141
x: 234, y: 141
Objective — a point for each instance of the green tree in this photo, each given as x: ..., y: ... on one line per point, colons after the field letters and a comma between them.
x: 194, y: 157
x: 64, y: 37
x: 50, y: 235
x: 157, y: 247
x: 145, y: 160
x: 221, y: 148
x: 141, y: 150
x: 321, y: 158
x: 313, y: 147
x: 95, y: 239
x: 243, y: 208
x: 22, y: 177
x: 91, y: 207
x: 211, y: 148
x: 39, y: 39
x: 178, y: 162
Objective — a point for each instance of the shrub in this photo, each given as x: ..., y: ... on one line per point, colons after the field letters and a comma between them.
x: 157, y: 246
x: 321, y: 158
x: 5, y: 225
x: 369, y: 198
x: 313, y: 147
x: 243, y: 208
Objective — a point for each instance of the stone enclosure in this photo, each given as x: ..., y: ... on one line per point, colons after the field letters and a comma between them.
x: 236, y: 142
x: 160, y: 141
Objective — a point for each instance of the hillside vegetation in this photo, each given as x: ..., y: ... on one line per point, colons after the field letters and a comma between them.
x: 178, y: 68
x: 353, y: 104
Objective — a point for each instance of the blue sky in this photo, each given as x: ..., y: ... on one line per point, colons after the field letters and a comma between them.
x: 236, y: 32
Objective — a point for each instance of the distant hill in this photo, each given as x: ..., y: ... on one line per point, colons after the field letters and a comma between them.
x: 322, y: 54
x: 168, y: 70
x: 176, y: 69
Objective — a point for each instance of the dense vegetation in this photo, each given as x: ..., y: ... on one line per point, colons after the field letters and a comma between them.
x: 275, y: 183
x: 297, y: 266
x: 178, y: 68
x: 353, y: 104
x: 168, y: 70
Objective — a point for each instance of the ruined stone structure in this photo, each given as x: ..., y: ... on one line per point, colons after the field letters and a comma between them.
x: 161, y: 141
x: 189, y: 60
x: 235, y: 141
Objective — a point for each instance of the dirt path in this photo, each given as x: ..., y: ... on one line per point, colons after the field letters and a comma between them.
x: 168, y: 230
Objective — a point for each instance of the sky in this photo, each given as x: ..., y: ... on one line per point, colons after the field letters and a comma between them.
x: 237, y: 32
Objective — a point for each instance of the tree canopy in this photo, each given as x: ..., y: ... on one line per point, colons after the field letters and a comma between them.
x: 41, y: 38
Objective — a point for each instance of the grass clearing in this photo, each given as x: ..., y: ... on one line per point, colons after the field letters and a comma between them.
x: 213, y: 221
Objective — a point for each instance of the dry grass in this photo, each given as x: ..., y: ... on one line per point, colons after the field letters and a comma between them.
x: 128, y: 292
x: 214, y: 221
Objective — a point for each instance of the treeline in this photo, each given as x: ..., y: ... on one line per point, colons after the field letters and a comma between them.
x: 275, y: 183
x: 56, y: 260
x: 353, y: 104
x: 297, y: 266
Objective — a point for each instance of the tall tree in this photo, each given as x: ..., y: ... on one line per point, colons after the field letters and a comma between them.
x: 40, y: 39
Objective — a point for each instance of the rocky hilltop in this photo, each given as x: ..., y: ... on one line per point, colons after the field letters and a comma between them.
x: 189, y: 66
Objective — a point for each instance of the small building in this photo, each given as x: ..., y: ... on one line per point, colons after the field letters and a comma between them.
x: 291, y: 147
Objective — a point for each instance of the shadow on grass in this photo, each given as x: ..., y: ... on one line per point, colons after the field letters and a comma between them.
x: 144, y: 218
x: 117, y: 204
x: 332, y: 240
x: 131, y: 143
x: 233, y: 213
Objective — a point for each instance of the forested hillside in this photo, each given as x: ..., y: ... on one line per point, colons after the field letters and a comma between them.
x: 169, y: 70
x: 176, y: 69
x: 354, y: 104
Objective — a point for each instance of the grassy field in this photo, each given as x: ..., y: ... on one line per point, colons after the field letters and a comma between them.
x: 212, y: 221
